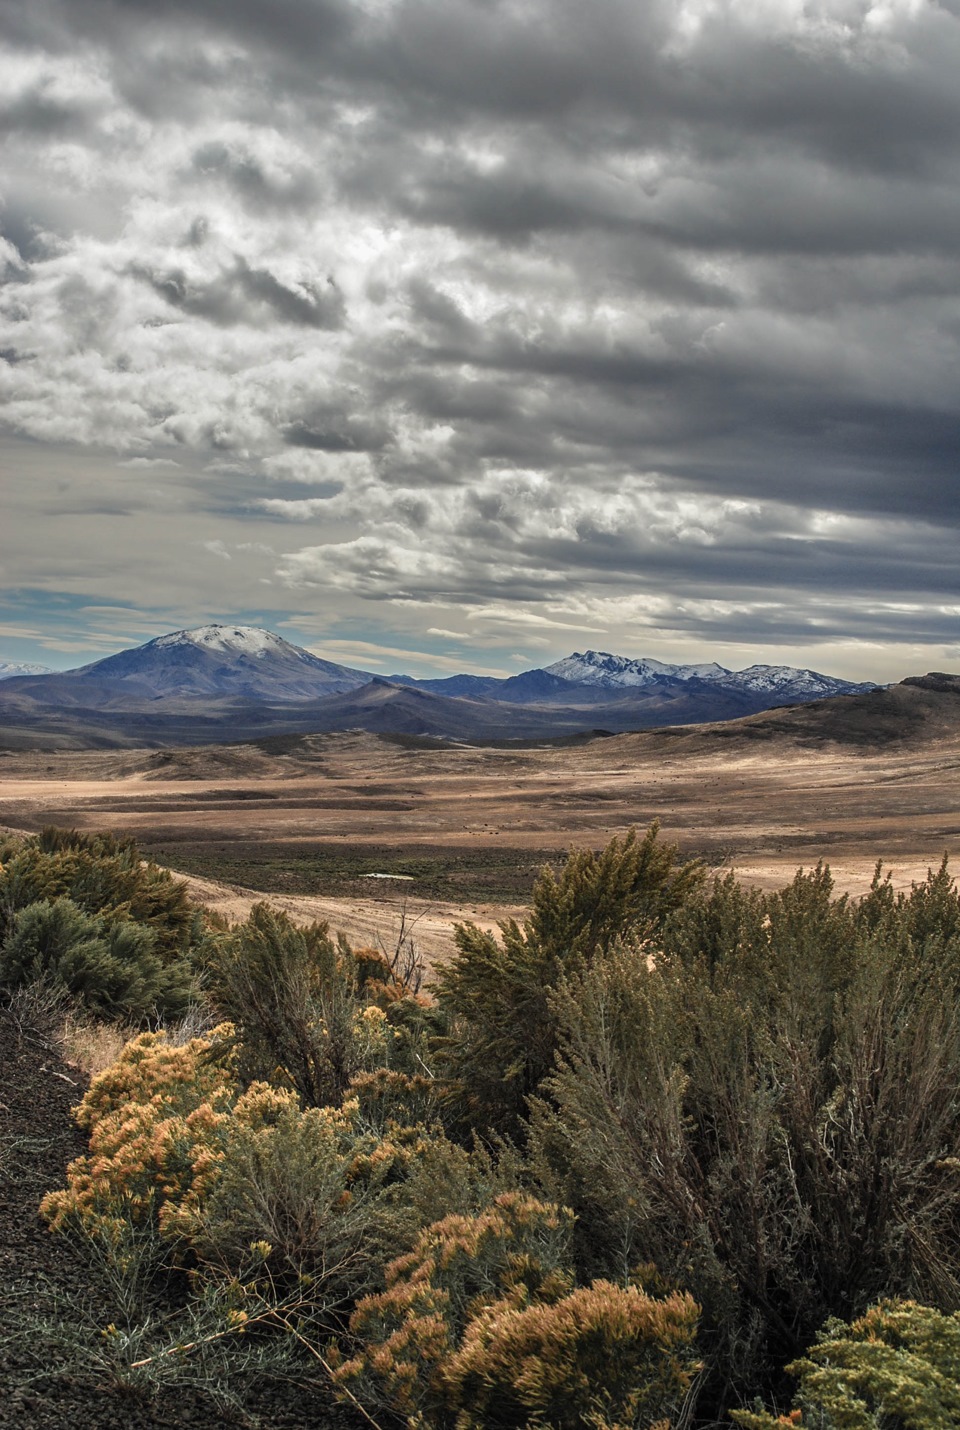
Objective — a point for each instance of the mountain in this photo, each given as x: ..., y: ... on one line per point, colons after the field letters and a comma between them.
x: 591, y: 678
x: 609, y: 672
x: 472, y: 686
x: 919, y: 710
x: 9, y: 670
x: 598, y: 667
x: 214, y: 662
x: 219, y: 682
x: 239, y: 661
x: 384, y: 707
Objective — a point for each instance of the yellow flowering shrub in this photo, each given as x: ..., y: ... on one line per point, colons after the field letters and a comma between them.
x: 601, y: 1354
x: 152, y: 1070
x: 283, y: 1176
x: 482, y: 1325
x: 156, y: 1120
x: 179, y: 1148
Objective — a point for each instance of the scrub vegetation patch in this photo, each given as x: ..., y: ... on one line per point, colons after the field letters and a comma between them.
x: 668, y: 1152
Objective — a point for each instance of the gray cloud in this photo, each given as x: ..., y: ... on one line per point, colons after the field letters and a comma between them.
x: 641, y: 315
x: 241, y: 294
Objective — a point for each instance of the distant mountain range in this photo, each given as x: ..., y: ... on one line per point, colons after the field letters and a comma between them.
x: 10, y: 669
x: 613, y: 677
x: 221, y: 682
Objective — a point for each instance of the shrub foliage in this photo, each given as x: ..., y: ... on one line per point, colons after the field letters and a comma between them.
x: 481, y: 1327
x: 87, y: 913
x: 631, y: 1158
x: 772, y: 1114
x: 895, y: 1368
x: 500, y: 1033
x: 308, y: 1009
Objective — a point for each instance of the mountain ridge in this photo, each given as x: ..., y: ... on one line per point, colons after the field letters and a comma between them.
x: 220, y: 681
x: 11, y: 669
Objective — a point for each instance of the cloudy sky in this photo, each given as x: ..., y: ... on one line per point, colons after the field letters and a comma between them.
x: 460, y: 334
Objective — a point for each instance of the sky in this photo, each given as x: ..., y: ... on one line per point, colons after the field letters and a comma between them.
x: 444, y: 335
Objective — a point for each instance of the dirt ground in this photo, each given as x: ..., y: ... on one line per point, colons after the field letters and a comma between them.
x: 317, y: 822
x: 378, y: 923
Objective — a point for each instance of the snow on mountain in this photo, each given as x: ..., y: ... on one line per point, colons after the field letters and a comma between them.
x: 241, y: 662
x: 232, y: 640
x: 805, y: 684
x: 599, y: 668
x: 9, y: 670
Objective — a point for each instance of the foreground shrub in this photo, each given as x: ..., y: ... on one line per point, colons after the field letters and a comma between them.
x: 501, y: 1033
x: 307, y: 1010
x: 110, y: 965
x: 104, y: 876
x: 87, y: 913
x: 186, y: 1158
x: 482, y: 1326
x: 895, y: 1368
x: 776, y: 1123
x: 155, y: 1120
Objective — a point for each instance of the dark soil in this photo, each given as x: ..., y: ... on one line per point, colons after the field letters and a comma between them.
x: 51, y: 1305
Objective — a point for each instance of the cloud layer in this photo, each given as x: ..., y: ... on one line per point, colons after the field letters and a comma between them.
x: 410, y: 321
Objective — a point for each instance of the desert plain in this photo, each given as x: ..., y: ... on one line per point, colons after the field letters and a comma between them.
x: 381, y: 835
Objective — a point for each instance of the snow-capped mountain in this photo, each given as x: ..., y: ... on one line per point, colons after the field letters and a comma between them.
x: 612, y: 672
x: 212, y: 663
x: 244, y: 662
x: 798, y: 683
x: 9, y: 670
x: 598, y: 667
x: 233, y: 640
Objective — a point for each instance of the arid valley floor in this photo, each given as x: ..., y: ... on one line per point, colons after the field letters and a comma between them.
x: 313, y: 821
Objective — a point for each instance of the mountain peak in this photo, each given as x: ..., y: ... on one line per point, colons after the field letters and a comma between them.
x: 231, y: 640
x: 239, y: 662
x: 599, y: 668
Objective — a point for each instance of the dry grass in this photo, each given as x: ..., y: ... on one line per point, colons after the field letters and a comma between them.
x: 91, y: 1047
x: 761, y: 796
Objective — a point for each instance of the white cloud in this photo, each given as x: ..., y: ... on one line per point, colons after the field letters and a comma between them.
x: 394, y: 658
x: 145, y: 463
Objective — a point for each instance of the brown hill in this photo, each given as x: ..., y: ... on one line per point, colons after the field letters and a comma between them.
x: 920, y: 708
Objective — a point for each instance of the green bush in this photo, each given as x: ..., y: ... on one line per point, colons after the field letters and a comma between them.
x: 308, y: 1011
x: 775, y: 1121
x: 111, y: 965
x: 87, y: 913
x: 895, y: 1368
x: 501, y: 1032
x: 104, y: 876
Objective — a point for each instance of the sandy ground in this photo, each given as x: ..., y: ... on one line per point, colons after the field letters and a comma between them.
x: 382, y: 923
x: 760, y: 807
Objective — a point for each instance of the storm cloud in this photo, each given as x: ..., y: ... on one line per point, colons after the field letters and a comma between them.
x: 461, y: 325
